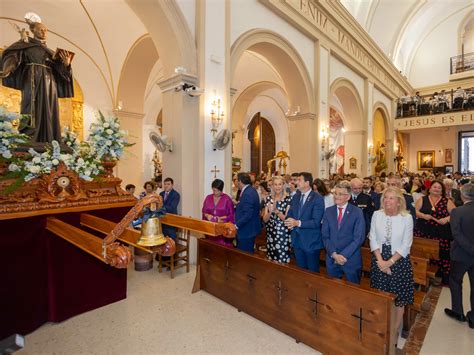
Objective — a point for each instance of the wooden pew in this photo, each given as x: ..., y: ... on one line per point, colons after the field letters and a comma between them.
x: 428, y: 249
x: 330, y: 315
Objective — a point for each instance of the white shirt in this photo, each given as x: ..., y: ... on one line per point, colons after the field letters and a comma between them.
x: 328, y: 200
x: 402, y: 232
x: 305, y: 195
x: 344, y: 206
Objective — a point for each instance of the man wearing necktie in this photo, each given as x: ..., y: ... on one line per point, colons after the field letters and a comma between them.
x: 304, y: 221
x: 171, y: 199
x: 343, y: 232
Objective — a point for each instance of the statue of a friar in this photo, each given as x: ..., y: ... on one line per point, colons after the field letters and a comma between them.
x: 42, y: 75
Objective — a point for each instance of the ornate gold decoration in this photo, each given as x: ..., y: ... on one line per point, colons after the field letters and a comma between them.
x: 283, y: 156
x: 152, y: 234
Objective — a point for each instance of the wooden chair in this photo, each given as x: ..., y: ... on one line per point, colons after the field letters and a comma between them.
x: 181, y: 257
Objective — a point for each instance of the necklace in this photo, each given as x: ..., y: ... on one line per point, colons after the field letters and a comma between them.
x: 433, y: 205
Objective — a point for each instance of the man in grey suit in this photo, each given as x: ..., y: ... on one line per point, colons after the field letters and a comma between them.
x: 462, y: 255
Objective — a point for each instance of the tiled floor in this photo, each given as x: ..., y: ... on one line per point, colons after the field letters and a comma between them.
x: 446, y: 336
x: 161, y: 315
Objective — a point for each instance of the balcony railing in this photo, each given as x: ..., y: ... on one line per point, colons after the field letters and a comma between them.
x: 442, y: 102
x: 462, y: 63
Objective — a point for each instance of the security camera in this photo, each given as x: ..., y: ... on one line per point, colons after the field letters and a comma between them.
x: 191, y: 90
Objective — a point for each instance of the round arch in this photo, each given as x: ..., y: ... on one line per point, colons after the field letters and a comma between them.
x: 170, y: 33
x: 385, y: 114
x: 285, y: 59
x: 347, y: 94
x: 245, y: 108
x: 135, y: 73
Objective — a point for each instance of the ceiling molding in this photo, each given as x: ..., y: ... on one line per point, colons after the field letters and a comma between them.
x: 370, y: 16
x: 78, y: 47
x: 103, y: 49
x: 412, y: 12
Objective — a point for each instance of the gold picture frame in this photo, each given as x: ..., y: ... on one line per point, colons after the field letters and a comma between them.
x: 448, y: 155
x: 352, y: 163
x: 426, y: 159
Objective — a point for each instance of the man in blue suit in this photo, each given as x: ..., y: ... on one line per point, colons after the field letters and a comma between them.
x: 343, y: 233
x: 247, y: 214
x: 304, y: 221
x: 171, y: 199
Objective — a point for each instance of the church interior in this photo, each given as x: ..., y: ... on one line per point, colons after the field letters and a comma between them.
x: 211, y: 93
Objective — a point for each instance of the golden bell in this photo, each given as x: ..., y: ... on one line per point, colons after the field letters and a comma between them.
x: 152, y: 235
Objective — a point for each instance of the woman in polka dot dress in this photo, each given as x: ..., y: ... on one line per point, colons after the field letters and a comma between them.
x: 277, y: 205
x: 432, y: 212
x: 391, y: 236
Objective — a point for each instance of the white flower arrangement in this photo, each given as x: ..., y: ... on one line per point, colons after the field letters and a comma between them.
x: 69, y: 138
x: 107, y: 139
x: 9, y: 135
x: 106, y: 142
x: 83, y: 161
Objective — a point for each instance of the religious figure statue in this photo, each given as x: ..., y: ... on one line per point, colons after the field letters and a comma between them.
x: 42, y: 75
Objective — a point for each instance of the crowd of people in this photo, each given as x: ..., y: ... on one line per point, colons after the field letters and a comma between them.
x: 302, y: 216
x: 438, y: 102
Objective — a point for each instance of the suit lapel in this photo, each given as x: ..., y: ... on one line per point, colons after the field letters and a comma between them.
x: 308, y: 199
x: 345, y: 217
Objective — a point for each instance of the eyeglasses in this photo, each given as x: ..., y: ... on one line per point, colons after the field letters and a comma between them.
x: 341, y: 195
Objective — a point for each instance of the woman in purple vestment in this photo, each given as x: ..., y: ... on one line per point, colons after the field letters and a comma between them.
x: 218, y: 207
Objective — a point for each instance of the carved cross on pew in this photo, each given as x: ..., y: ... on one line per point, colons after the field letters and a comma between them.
x: 315, y: 304
x: 215, y: 171
x: 280, y: 290
x: 359, y: 316
x: 227, y: 269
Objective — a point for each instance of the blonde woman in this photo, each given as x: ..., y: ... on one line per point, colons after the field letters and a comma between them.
x: 391, y: 236
x: 277, y: 205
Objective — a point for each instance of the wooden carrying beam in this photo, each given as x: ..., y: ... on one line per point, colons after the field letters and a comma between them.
x: 129, y: 236
x: 81, y: 239
x: 330, y: 315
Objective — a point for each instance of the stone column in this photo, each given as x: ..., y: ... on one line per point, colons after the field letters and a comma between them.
x: 322, y: 83
x: 302, y: 142
x: 181, y: 124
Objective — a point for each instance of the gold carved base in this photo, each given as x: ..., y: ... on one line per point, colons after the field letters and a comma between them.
x: 62, y: 189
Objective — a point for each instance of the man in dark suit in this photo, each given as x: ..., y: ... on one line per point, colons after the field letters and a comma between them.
x: 247, y: 214
x: 304, y: 221
x: 367, y: 184
x: 363, y: 201
x: 462, y: 255
x: 343, y: 233
x: 171, y: 199
x: 451, y: 193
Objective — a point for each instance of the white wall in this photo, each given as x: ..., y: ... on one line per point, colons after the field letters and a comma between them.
x: 437, y: 139
x: 337, y: 69
x: 430, y: 65
x: 250, y: 14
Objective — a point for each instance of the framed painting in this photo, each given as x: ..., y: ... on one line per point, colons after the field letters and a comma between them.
x: 449, y: 169
x: 448, y: 156
x: 353, y: 163
x: 426, y: 159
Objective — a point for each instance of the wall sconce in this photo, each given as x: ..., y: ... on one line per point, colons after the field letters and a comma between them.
x: 324, y: 141
x: 217, y: 115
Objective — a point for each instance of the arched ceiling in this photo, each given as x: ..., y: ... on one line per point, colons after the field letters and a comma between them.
x: 399, y: 27
x: 99, y: 32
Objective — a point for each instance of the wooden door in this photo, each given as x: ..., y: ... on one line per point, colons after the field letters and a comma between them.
x: 262, y: 143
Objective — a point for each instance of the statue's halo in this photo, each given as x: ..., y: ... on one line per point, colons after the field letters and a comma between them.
x: 31, y: 18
